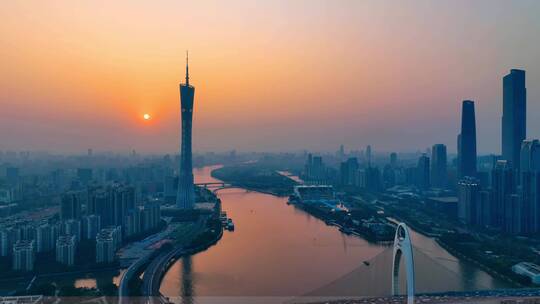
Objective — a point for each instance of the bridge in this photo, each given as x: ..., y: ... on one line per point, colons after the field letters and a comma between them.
x: 215, y: 186
x: 391, y: 276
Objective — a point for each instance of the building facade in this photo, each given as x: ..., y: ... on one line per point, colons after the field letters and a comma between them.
x: 439, y: 171
x: 514, y: 118
x: 468, y: 200
x: 65, y: 250
x: 467, y: 141
x: 23, y: 256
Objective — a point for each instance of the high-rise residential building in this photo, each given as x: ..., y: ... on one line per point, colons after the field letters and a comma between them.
x: 503, y: 186
x: 111, y: 203
x: 73, y: 227
x: 439, y: 171
x: 370, y: 179
x: 185, y: 198
x: 530, y: 155
x: 468, y: 200
x: 133, y: 222
x: 123, y: 200
x: 530, y: 195
x: 26, y: 232
x: 7, y: 240
x: 467, y: 141
x: 514, y: 118
x: 530, y: 186
x: 108, y: 241
x: 105, y: 248
x: 100, y: 204
x: 315, y: 170
x: 348, y: 172
x: 170, y: 187
x: 483, y: 211
x: 23, y: 256
x: 422, y: 172
x: 46, y: 236
x: 91, y: 225
x: 513, y: 222
x: 70, y: 205
x: 65, y: 250
x: 151, y: 216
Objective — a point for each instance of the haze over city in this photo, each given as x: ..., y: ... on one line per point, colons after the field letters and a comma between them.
x: 271, y: 76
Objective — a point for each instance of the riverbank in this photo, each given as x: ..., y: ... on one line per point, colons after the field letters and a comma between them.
x: 255, y: 177
x: 351, y: 223
x: 266, y: 255
x: 467, y: 246
x: 154, y: 274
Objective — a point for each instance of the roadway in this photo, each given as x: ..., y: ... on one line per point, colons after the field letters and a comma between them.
x: 123, y: 290
x: 155, y: 272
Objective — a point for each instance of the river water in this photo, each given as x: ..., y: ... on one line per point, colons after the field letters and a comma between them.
x: 278, y: 250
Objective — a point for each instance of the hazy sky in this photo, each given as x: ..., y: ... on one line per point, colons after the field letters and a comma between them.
x: 272, y: 75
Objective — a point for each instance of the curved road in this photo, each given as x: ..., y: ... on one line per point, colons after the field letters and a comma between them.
x: 155, y: 271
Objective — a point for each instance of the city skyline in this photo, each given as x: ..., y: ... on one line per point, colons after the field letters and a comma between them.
x: 321, y: 129
x: 102, y: 99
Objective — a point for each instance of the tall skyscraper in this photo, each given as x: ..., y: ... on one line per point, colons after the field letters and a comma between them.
x: 186, y: 192
x: 422, y: 172
x: 467, y: 141
x: 439, y: 170
x: 514, y: 118
x: 503, y: 186
x: 468, y: 195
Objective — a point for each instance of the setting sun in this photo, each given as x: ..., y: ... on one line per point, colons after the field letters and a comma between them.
x: 147, y: 116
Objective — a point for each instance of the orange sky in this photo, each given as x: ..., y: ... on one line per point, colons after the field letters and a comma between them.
x: 273, y: 75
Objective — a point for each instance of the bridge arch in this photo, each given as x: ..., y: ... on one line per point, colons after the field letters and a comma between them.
x: 403, y: 248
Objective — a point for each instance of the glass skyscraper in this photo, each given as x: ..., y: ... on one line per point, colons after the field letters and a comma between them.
x: 514, y: 116
x: 467, y: 140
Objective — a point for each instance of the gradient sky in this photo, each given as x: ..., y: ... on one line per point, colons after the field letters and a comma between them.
x: 272, y: 75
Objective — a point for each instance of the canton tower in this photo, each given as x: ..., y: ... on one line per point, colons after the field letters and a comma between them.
x: 185, y: 199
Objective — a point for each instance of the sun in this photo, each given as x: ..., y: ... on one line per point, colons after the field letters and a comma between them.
x: 147, y: 116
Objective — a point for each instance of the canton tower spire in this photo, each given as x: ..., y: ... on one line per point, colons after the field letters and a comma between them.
x: 185, y: 198
x: 187, y: 67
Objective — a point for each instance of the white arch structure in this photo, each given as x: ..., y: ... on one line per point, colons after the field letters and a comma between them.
x: 403, y: 247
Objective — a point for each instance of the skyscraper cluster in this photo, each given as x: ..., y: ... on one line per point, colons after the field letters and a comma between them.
x: 315, y: 171
x: 510, y: 201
